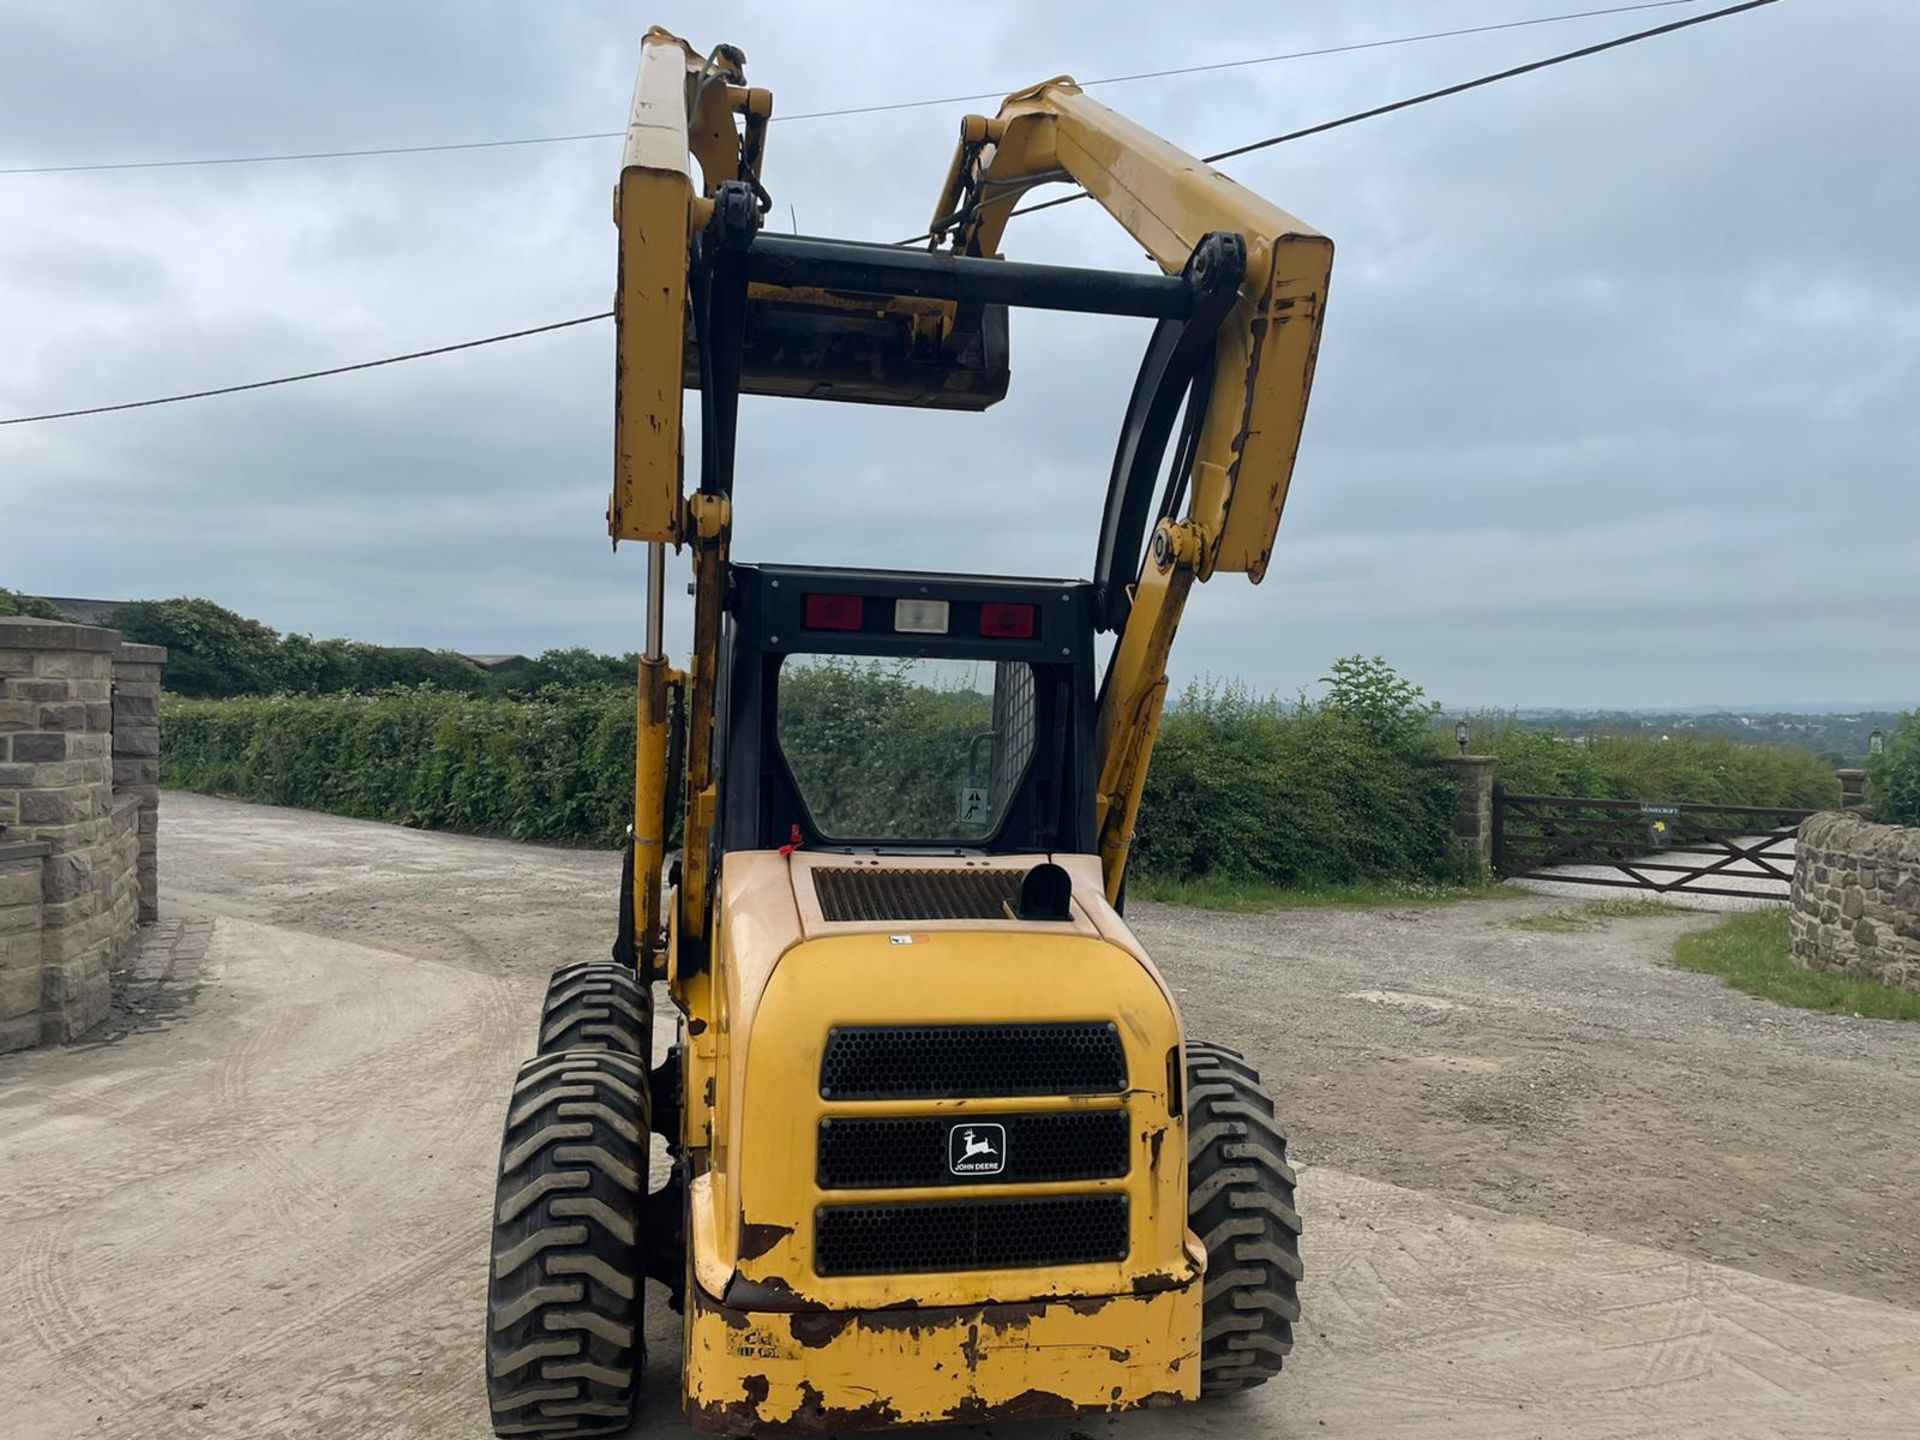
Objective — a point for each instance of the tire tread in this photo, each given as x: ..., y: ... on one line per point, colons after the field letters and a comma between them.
x: 597, y: 1005
x: 1241, y: 1204
x: 564, y: 1346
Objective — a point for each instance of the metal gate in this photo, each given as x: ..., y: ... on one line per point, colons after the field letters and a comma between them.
x: 1739, y: 850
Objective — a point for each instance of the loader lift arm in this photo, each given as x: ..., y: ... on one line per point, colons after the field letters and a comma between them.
x: 708, y: 300
x: 1247, y: 399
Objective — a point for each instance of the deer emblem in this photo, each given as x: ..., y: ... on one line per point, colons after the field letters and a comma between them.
x: 977, y: 1149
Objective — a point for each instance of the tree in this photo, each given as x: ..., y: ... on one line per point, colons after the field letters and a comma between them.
x: 1893, y: 776
x: 211, y: 651
x: 12, y: 602
x: 1372, y: 695
x: 306, y: 666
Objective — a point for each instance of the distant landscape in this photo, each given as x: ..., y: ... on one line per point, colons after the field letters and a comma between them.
x: 1334, y: 785
x: 1838, y: 735
x: 217, y: 652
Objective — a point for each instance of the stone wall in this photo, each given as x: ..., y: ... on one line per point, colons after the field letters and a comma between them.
x: 76, y: 849
x: 1856, y: 898
x: 20, y: 912
x: 136, y: 756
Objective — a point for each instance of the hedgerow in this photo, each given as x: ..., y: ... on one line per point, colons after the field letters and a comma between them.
x: 557, y: 766
x: 1329, y: 791
x: 1893, y: 775
x: 1686, y: 769
x: 1335, y: 790
x: 1289, y: 792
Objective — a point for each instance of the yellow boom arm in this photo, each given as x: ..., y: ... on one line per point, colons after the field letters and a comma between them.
x: 1256, y: 404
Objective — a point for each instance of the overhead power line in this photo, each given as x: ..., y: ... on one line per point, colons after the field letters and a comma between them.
x: 1260, y: 59
x: 1405, y: 104
x: 875, y: 109
x: 1248, y: 148
x: 317, y: 374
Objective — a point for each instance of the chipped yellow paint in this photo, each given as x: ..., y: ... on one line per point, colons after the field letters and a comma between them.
x: 858, y: 1370
x: 651, y: 210
x: 946, y: 1345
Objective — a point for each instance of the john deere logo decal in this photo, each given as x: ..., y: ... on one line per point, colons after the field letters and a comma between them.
x: 977, y: 1149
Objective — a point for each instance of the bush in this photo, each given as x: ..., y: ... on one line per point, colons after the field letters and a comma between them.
x: 12, y: 602
x: 556, y: 766
x: 1686, y: 770
x: 1332, y: 792
x: 1251, y: 789
x: 1291, y: 793
x: 211, y: 651
x: 1893, y: 776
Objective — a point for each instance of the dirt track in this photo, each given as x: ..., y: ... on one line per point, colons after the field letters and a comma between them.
x: 1574, y: 1078
x: 263, y: 1213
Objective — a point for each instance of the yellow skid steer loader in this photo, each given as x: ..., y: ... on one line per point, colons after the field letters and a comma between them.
x: 940, y: 1149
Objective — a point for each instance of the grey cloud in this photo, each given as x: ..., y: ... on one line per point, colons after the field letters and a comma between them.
x: 1612, y: 405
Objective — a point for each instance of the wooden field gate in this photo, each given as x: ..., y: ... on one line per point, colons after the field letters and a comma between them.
x: 1666, y: 848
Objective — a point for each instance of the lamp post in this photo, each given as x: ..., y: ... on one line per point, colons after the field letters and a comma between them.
x: 1461, y: 735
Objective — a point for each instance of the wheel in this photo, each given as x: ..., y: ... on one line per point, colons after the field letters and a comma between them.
x: 597, y: 1005
x: 566, y: 1280
x: 1240, y: 1203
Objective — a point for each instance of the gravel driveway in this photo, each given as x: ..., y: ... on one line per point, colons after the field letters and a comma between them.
x: 260, y: 1212
x: 1576, y: 1078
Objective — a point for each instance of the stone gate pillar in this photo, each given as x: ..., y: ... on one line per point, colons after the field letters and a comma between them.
x: 57, y: 798
x: 1853, y: 789
x: 1473, y: 822
x: 136, y: 756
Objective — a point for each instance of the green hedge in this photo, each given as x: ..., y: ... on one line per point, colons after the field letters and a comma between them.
x: 1332, y: 791
x: 1893, y: 776
x: 555, y: 767
x: 1238, y: 788
x: 1254, y: 790
x: 1687, y: 769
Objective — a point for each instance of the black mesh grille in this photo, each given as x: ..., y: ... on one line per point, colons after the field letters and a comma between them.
x: 974, y: 1235
x: 913, y: 1150
x: 849, y: 893
x: 894, y: 1062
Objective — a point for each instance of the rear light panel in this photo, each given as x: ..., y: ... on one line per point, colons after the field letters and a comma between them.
x: 920, y: 615
x: 1002, y: 621
x: 833, y: 612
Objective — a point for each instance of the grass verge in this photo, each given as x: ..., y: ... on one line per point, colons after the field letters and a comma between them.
x: 1749, y: 952
x: 1592, y: 916
x: 1254, y: 896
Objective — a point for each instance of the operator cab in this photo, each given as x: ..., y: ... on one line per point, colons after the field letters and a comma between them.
x: 899, y: 712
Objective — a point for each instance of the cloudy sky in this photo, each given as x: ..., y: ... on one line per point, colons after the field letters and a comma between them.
x: 1618, y: 401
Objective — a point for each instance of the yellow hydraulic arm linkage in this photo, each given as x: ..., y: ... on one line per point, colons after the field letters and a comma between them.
x: 684, y: 108
x: 1240, y: 455
x: 896, y: 326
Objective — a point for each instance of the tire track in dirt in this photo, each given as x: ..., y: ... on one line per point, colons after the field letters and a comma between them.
x: 315, y: 1084
x: 70, y: 1329
x: 353, y: 1313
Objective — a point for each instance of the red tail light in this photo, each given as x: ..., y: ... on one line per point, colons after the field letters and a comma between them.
x: 833, y: 612
x: 1000, y: 621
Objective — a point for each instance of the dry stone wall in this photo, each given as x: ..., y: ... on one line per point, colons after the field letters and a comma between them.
x: 1856, y: 898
